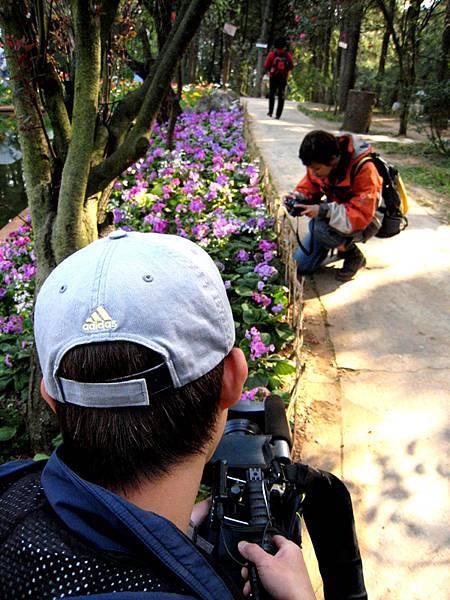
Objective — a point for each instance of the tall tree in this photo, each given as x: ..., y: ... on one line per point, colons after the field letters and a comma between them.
x: 353, y: 11
x: 263, y: 39
x: 406, y: 28
x: 68, y: 178
x: 384, y: 50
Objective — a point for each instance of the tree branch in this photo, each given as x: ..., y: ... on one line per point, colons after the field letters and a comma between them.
x: 125, y: 113
x: 69, y: 230
x: 136, y: 143
x: 53, y: 99
x: 389, y: 18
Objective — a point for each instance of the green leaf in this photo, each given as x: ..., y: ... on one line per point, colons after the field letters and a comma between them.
x: 243, y: 290
x: 265, y: 338
x: 5, y: 381
x: 258, y: 379
x: 284, y: 368
x: 7, y: 433
x: 244, y: 269
x: 41, y: 456
x: 285, y: 333
x: 248, y: 315
x: 57, y: 440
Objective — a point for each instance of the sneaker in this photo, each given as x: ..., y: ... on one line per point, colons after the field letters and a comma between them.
x: 353, y: 261
x: 277, y: 117
x: 269, y: 114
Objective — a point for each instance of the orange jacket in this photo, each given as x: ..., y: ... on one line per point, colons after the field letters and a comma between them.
x: 351, y: 201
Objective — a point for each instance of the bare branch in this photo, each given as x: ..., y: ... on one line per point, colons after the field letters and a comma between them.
x: 136, y: 143
x: 69, y: 229
x: 389, y: 18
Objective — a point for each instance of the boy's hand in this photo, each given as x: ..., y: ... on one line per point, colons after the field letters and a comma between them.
x: 284, y: 576
x: 309, y: 210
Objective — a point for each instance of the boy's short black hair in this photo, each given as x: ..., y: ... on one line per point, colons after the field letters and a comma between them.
x: 280, y: 42
x: 319, y: 147
x: 119, y: 448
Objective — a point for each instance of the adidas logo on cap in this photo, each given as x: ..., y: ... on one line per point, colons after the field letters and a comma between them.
x: 99, y: 321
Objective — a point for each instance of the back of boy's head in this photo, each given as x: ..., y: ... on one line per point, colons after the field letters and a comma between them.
x: 280, y: 42
x: 318, y: 147
x: 131, y: 334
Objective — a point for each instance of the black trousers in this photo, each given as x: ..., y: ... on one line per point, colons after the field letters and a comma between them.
x: 277, y: 88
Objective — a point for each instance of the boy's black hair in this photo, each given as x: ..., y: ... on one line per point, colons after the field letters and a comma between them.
x: 119, y: 448
x: 319, y: 147
x: 280, y: 42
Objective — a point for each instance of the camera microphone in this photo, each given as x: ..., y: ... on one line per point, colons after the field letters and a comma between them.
x: 277, y: 426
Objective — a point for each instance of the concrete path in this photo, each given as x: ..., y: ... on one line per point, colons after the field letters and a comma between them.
x: 381, y: 418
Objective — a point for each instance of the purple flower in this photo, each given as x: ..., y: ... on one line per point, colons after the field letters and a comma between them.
x: 227, y: 284
x: 242, y: 256
x: 268, y: 256
x: 277, y: 307
x: 261, y: 299
x: 266, y: 245
x: 29, y: 271
x: 160, y: 225
x: 264, y: 270
x: 117, y: 216
x: 8, y: 361
x: 196, y: 205
x: 257, y: 346
x: 261, y: 285
x: 222, y: 227
x: 222, y: 180
x: 12, y: 324
x: 200, y: 230
x: 2, y: 292
x: 257, y: 394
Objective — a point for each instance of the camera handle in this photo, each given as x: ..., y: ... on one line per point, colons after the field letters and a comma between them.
x: 259, y: 517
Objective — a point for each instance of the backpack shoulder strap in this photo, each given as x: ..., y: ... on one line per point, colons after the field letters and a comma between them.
x: 365, y: 159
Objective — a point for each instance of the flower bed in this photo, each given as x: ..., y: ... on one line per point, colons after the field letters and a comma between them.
x: 205, y: 189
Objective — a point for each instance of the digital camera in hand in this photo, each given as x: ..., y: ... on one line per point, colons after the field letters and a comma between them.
x: 290, y: 202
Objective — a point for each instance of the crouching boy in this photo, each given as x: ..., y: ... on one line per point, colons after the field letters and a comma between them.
x: 352, y: 194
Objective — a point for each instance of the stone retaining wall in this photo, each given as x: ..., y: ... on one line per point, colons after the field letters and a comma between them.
x: 287, y: 243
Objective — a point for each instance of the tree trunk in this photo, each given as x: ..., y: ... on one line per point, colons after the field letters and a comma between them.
x: 228, y: 42
x: 383, y: 53
x: 358, y: 113
x: 353, y: 20
x: 68, y: 180
x: 263, y: 38
x: 192, y: 61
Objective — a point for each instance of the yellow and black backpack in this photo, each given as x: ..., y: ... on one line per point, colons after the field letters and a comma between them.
x: 394, y: 205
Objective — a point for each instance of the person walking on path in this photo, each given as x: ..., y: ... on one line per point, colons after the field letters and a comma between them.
x: 349, y: 213
x: 278, y: 64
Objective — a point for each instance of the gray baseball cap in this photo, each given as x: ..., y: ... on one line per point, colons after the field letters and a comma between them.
x: 161, y: 291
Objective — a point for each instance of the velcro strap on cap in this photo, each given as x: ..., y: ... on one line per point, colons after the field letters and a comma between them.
x: 104, y: 395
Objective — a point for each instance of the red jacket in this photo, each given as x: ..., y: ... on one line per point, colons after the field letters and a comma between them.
x: 269, y: 62
x: 351, y: 199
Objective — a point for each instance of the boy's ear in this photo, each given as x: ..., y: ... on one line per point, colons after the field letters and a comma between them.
x: 235, y: 373
x: 50, y: 401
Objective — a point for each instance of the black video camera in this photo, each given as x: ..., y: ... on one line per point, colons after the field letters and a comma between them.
x: 291, y: 201
x: 257, y: 492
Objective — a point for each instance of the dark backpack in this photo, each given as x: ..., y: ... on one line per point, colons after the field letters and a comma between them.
x: 393, y: 194
x: 280, y: 64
